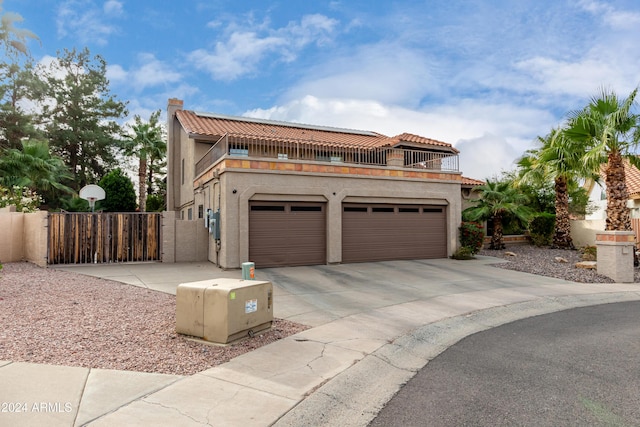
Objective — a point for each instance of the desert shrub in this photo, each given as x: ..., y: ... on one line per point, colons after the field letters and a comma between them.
x: 541, y: 229
x: 589, y: 253
x: 463, y: 253
x: 471, y: 236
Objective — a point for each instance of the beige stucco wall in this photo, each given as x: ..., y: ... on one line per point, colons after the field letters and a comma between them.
x: 23, y: 237
x: 583, y: 232
x: 11, y: 236
x: 183, y: 240
x: 35, y: 237
x: 333, y: 189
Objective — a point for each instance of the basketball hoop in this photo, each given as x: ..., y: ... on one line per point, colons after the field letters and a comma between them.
x: 92, y: 193
x: 92, y: 202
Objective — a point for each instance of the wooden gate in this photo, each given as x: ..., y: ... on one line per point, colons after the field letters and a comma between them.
x: 84, y: 238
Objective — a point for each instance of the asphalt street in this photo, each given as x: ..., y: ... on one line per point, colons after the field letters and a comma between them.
x: 579, y: 367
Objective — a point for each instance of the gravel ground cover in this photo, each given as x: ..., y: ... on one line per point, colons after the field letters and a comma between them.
x: 64, y: 318
x: 542, y: 261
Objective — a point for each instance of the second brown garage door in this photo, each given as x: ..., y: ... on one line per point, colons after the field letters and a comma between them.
x: 390, y: 232
x: 287, y: 234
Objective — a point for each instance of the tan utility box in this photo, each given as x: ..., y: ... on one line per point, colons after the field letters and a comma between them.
x: 223, y: 310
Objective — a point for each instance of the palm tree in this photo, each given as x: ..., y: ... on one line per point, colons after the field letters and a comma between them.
x: 34, y: 167
x: 609, y: 129
x: 560, y: 160
x: 147, y: 144
x: 498, y: 199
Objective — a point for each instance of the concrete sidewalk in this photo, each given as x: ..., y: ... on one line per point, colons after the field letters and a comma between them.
x: 374, y: 326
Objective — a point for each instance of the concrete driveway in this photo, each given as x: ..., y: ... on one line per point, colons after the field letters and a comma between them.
x: 316, y: 295
x: 374, y: 325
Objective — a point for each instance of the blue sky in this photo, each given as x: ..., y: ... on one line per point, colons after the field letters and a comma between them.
x: 487, y: 76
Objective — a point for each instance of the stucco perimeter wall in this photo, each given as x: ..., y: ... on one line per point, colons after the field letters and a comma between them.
x: 23, y: 237
x: 583, y: 232
x: 250, y: 185
x: 182, y: 240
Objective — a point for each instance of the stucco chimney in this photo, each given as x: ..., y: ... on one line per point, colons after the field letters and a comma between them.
x: 173, y: 152
x: 173, y: 106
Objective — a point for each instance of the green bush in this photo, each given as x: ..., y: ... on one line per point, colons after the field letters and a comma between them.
x: 463, y: 253
x: 119, y: 193
x: 75, y: 204
x: 471, y: 236
x: 541, y: 229
x: 155, y: 203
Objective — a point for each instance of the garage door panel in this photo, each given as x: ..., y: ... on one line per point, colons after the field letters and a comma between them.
x: 287, y: 233
x: 381, y: 233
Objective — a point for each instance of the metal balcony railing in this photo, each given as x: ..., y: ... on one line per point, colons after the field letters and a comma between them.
x: 255, y: 148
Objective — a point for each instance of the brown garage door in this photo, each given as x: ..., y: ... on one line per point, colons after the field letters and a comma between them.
x: 378, y: 232
x: 287, y: 233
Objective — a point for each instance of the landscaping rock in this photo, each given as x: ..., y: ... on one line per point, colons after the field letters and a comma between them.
x: 591, y: 265
x: 560, y: 259
x: 507, y: 253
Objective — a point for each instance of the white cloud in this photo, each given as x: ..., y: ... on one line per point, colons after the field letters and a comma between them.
x: 153, y: 72
x: 487, y: 156
x: 113, y: 7
x: 115, y: 73
x: 149, y: 72
x: 84, y: 21
x: 242, y: 50
x: 386, y: 72
x: 616, y: 19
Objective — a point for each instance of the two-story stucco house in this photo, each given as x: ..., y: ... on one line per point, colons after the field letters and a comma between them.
x: 293, y: 194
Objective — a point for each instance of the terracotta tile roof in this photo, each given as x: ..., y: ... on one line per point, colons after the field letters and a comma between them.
x: 471, y: 181
x: 632, y: 178
x: 216, y: 126
x: 417, y: 139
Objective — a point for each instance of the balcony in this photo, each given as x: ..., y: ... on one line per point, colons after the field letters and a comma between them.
x: 309, y: 151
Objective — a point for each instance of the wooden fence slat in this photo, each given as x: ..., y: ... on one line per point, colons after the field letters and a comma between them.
x: 78, y: 238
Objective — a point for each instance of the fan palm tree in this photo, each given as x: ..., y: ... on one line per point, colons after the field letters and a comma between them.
x: 559, y: 159
x: 147, y: 144
x: 496, y: 200
x: 34, y: 167
x: 609, y: 129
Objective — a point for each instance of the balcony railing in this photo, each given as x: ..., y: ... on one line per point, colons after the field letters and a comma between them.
x: 314, y: 152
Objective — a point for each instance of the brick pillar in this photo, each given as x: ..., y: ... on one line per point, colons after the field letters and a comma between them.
x: 615, y: 254
x: 395, y: 157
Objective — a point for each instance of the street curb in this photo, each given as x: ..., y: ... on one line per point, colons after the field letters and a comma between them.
x: 355, y: 396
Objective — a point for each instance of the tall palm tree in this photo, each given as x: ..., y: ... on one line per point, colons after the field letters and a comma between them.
x: 147, y: 144
x: 34, y: 167
x: 609, y: 128
x: 559, y: 159
x: 496, y: 200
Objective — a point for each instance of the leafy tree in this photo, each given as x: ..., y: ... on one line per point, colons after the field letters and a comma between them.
x: 497, y: 199
x: 82, y: 118
x: 558, y: 160
x: 155, y: 203
x: 608, y: 128
x: 18, y: 83
x: 119, y: 193
x: 34, y: 167
x: 148, y: 144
